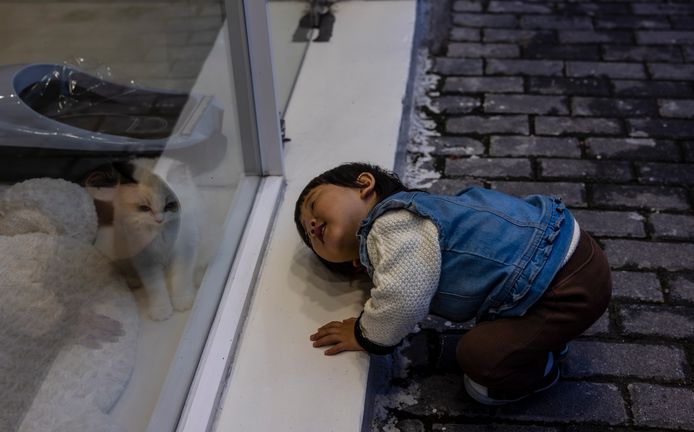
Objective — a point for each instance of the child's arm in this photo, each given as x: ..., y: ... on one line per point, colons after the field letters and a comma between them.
x: 406, y: 257
x: 340, y: 334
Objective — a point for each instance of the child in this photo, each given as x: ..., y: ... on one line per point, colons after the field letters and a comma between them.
x: 521, y: 267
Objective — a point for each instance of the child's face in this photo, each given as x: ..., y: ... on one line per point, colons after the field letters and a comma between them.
x: 331, y: 215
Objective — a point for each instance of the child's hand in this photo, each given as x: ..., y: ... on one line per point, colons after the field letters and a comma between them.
x: 339, y: 334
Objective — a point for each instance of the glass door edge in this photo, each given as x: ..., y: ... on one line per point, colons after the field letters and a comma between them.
x: 210, y: 377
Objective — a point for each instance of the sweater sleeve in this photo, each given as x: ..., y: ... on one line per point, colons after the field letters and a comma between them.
x: 406, y: 257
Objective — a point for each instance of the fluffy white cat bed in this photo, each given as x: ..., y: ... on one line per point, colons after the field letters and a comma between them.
x: 68, y: 322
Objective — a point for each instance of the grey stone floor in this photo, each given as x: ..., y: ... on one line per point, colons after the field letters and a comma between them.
x: 592, y: 101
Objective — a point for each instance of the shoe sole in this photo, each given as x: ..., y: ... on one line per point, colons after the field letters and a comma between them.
x: 486, y: 400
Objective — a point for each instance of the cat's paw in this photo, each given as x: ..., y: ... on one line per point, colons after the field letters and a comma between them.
x: 160, y: 312
x: 183, y: 302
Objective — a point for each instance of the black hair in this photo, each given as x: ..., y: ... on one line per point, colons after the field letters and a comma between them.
x: 386, y: 184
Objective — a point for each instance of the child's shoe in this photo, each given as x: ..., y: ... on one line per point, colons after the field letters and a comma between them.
x: 486, y: 396
x: 562, y: 352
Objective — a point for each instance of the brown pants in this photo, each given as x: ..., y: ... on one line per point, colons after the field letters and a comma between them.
x: 510, y: 354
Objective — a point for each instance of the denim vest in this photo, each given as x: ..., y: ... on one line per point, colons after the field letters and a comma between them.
x: 498, y: 253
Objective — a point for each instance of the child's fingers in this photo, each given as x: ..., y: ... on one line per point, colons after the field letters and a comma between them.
x: 336, y: 349
x: 331, y: 324
x: 328, y: 340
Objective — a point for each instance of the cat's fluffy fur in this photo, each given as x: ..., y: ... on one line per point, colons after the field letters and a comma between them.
x: 153, y: 234
x: 68, y: 323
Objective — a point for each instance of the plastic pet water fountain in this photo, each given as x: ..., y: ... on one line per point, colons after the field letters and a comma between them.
x: 59, y: 121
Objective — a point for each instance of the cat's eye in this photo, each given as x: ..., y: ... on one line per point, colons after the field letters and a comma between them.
x: 172, y: 207
x: 144, y: 208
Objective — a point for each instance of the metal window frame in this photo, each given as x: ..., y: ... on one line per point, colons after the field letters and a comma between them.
x: 249, y: 38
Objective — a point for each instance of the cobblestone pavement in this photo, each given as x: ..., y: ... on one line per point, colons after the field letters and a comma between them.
x: 592, y: 101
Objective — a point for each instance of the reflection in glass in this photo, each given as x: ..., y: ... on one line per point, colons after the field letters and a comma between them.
x: 120, y: 159
x: 288, y: 50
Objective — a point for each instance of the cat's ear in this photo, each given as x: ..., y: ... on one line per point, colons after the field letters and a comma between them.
x: 101, y: 184
x: 102, y: 178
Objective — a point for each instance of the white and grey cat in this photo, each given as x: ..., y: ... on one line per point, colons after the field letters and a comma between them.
x: 148, y: 226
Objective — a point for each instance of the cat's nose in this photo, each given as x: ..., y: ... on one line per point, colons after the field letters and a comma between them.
x: 159, y: 217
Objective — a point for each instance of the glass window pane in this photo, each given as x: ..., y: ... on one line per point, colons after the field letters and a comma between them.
x: 291, y: 28
x: 120, y: 162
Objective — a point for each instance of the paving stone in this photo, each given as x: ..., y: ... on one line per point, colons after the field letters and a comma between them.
x: 654, y: 321
x: 671, y: 71
x: 681, y: 22
x: 456, y: 146
x: 583, y: 36
x: 447, y: 355
x: 555, y: 22
x: 585, y: 170
x: 465, y: 34
x: 642, y: 53
x: 593, y: 8
x: 455, y: 104
x: 453, y: 186
x: 682, y: 287
x: 521, y: 37
x: 554, y: 51
x: 688, y: 151
x: 649, y: 255
x: 662, y: 9
x: 660, y: 172
x: 570, y: 401
x: 416, y: 350
x: 671, y: 226
x: 483, y: 85
x: 611, y: 223
x: 589, y: 359
x: 660, y: 406
x: 661, y: 128
x: 491, y: 50
x: 440, y: 395
x: 488, y: 124
x: 467, y: 6
x: 664, y: 37
x: 489, y: 168
x: 632, y: 149
x: 525, y: 104
x: 572, y: 194
x: 533, y: 146
x: 612, y: 69
x: 677, y: 108
x: 636, y: 286
x: 689, y: 54
x: 631, y: 22
x: 496, y: 427
x: 525, y: 7
x: 569, y: 86
x: 646, y: 197
x: 652, y: 88
x: 610, y: 107
x: 524, y: 67
x: 410, y: 425
x: 599, y: 327
x: 456, y: 66
x: 484, y: 20
x: 570, y: 125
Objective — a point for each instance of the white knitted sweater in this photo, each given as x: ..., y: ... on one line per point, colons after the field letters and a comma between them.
x: 406, y: 258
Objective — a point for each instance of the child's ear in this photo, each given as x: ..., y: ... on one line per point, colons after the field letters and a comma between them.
x: 367, y: 182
